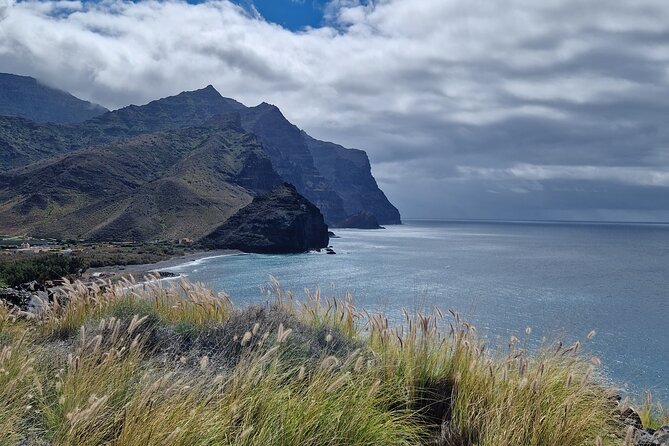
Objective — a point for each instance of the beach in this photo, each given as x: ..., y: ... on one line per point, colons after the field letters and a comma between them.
x: 140, y: 272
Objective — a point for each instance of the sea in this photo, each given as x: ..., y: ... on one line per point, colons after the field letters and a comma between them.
x: 556, y: 281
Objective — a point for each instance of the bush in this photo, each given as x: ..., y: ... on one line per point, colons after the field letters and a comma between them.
x: 15, y: 271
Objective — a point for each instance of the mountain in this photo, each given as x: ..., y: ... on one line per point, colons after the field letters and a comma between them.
x: 187, y: 109
x: 279, y: 222
x: 362, y: 220
x: 349, y: 174
x: 286, y: 146
x: 25, y: 97
x: 165, y: 185
x: 336, y: 179
x: 23, y: 141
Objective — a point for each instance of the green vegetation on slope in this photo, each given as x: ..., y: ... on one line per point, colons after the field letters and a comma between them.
x: 19, y: 269
x: 15, y: 271
x: 147, y: 365
x: 169, y: 185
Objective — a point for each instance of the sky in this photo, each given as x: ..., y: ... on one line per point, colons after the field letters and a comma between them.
x: 482, y: 109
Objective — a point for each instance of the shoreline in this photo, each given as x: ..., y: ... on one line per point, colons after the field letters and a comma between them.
x: 141, y: 271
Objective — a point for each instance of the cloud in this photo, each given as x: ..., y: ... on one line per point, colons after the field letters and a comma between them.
x: 5, y: 5
x: 635, y: 176
x: 565, y: 100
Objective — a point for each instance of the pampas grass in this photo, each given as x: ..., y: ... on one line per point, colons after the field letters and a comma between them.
x: 112, y: 364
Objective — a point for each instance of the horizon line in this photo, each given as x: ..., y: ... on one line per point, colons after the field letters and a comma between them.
x: 504, y: 220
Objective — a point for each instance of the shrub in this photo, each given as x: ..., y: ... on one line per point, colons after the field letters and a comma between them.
x: 41, y: 268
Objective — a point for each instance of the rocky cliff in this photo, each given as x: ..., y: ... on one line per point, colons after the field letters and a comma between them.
x: 279, y: 222
x: 361, y: 220
x: 287, y: 148
x: 349, y: 174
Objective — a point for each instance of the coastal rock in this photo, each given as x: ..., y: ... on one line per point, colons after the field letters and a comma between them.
x: 19, y: 298
x: 279, y: 222
x: 631, y: 418
x: 662, y: 436
x: 361, y: 220
x: 652, y: 438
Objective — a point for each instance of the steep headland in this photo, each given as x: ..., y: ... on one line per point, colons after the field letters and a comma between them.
x: 279, y: 222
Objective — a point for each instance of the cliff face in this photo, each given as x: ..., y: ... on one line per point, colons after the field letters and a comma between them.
x: 25, y: 97
x: 362, y: 220
x: 279, y: 222
x: 349, y: 174
x: 286, y: 146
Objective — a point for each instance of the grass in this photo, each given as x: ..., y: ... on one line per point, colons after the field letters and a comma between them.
x: 652, y: 413
x: 77, y: 304
x: 131, y: 364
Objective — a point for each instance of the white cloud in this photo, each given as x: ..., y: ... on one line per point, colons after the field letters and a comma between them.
x: 632, y: 175
x: 4, y: 8
x: 429, y: 84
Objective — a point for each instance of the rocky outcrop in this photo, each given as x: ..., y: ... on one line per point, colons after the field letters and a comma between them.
x: 651, y: 437
x: 279, y: 222
x: 640, y: 435
x: 361, y: 220
x: 18, y: 298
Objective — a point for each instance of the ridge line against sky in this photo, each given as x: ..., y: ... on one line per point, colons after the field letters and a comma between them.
x: 532, y: 110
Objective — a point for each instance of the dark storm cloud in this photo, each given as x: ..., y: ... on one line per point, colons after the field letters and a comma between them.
x: 518, y: 109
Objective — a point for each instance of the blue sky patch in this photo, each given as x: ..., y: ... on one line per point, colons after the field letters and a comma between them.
x: 291, y: 14
x: 294, y: 15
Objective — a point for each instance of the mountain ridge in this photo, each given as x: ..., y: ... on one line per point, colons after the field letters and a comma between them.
x: 74, y: 153
x: 26, y: 97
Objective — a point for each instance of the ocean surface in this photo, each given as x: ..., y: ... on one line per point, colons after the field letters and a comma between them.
x: 561, y: 279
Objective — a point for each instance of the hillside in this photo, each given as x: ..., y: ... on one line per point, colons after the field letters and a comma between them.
x: 289, y: 149
x: 164, y: 185
x: 26, y: 97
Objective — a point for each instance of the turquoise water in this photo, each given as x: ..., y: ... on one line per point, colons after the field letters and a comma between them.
x: 562, y: 280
